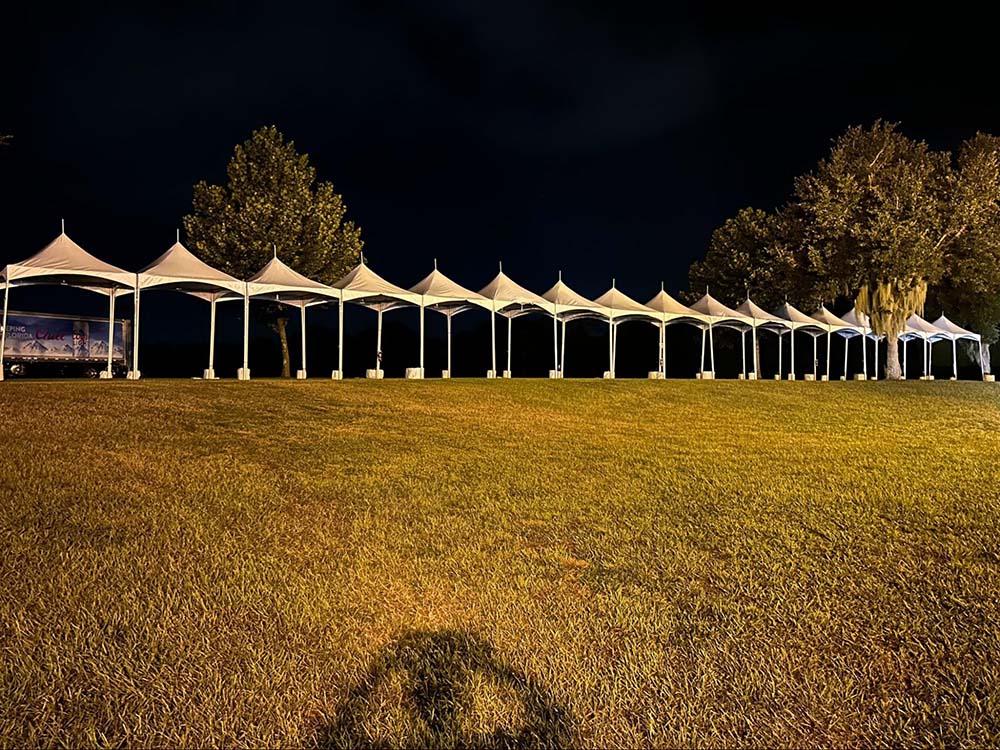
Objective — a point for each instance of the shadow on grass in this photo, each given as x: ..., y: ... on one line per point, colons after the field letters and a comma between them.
x: 445, y: 689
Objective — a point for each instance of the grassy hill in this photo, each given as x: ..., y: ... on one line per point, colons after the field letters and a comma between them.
x: 499, y: 563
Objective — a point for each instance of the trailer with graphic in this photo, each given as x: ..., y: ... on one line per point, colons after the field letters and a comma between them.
x: 67, y: 345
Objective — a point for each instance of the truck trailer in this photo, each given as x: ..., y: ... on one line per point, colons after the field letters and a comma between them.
x: 44, y: 345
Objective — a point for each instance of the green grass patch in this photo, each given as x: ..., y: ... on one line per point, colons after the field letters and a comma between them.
x: 499, y: 563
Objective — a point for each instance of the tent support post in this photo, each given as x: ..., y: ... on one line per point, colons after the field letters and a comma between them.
x: 493, y: 341
x: 339, y: 374
x: 781, y: 355
x: 756, y: 363
x: 701, y: 364
x: 244, y: 374
x: 828, y: 355
x: 3, y: 330
x: 555, y: 342
x: 904, y: 342
x: 815, y: 358
x: 954, y: 358
x: 111, y: 331
x: 611, y: 347
x: 211, y: 342
x: 134, y: 375
x: 510, y: 322
x: 864, y: 353
x: 926, y: 373
x: 562, y: 355
x: 448, y: 316
x: 378, y: 343
x: 303, y: 341
x: 875, y: 363
x: 421, y: 336
x: 846, y: 342
x: 791, y: 364
x: 743, y: 351
x: 711, y: 348
x: 663, y: 349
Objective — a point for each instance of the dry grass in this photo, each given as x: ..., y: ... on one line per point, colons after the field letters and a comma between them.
x: 499, y: 564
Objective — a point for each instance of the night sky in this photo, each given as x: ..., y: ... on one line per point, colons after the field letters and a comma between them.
x: 606, y: 140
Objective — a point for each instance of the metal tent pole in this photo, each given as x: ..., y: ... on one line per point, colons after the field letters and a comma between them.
x: 448, y: 316
x: 493, y: 338
x: 926, y: 373
x: 611, y: 346
x: 743, y: 351
x: 663, y: 349
x: 111, y: 329
x: 562, y: 355
x: 864, y: 353
x: 847, y: 341
x: 614, y: 354
x: 711, y: 348
x: 211, y: 340
x: 701, y: 364
x: 982, y: 355
x: 340, y: 336
x: 135, y: 330
x: 781, y: 354
x: 3, y: 330
x: 875, y: 363
x: 815, y: 358
x: 303, y: 340
x: 756, y: 362
x: 904, y: 343
x: 828, y: 355
x: 555, y: 340
x: 246, y: 332
x: 954, y: 358
x: 378, y: 343
x: 791, y: 364
x: 421, y: 335
x: 510, y: 322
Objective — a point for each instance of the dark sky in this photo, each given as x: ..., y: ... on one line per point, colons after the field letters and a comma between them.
x: 605, y: 140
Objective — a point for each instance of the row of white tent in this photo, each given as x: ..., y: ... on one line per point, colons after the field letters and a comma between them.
x: 65, y: 262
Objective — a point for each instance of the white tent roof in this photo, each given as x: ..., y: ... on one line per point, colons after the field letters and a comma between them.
x: 364, y: 286
x: 622, y: 307
x: 917, y: 327
x: 799, y: 320
x: 178, y: 269
x: 720, y: 314
x: 834, y: 324
x: 510, y: 298
x: 437, y: 291
x: 670, y: 309
x: 62, y: 261
x: 762, y: 318
x: 282, y: 283
x: 955, y: 331
x: 565, y: 301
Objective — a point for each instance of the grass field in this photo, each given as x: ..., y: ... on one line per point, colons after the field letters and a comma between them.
x: 499, y: 563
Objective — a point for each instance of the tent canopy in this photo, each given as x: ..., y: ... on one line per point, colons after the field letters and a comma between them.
x: 63, y: 261
x: 762, y: 318
x: 672, y: 311
x: 834, y: 324
x: 440, y: 293
x: 799, y: 321
x: 569, y: 305
x: 365, y: 287
x: 918, y: 328
x: 510, y: 298
x: 281, y: 283
x: 719, y: 314
x: 179, y: 270
x: 622, y: 307
x: 955, y: 331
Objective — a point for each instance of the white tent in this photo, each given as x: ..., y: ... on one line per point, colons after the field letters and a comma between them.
x: 918, y: 329
x: 438, y: 292
x: 280, y: 283
x: 364, y: 287
x: 860, y: 322
x: 954, y: 333
x: 761, y: 318
x: 62, y: 261
x: 718, y: 315
x: 565, y: 305
x: 510, y: 299
x: 831, y: 323
x: 672, y: 311
x: 799, y: 321
x: 622, y: 308
x: 180, y: 271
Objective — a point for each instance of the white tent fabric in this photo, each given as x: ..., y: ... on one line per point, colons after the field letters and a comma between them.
x: 280, y: 283
x: 510, y: 299
x: 63, y: 261
x: 180, y: 271
x: 566, y: 304
x: 622, y: 308
x: 364, y: 287
x: 438, y: 292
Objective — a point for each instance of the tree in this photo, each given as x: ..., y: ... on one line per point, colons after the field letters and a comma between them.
x: 755, y: 252
x: 878, y: 221
x: 271, y: 200
x: 968, y: 290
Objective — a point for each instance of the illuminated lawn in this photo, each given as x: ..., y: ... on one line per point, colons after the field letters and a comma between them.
x: 499, y: 563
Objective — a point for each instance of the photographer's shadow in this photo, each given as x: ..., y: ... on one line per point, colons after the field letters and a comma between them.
x: 445, y: 689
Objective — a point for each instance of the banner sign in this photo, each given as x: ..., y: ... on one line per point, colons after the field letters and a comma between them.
x: 53, y: 337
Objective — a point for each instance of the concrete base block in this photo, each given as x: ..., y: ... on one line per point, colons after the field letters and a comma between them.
x: 507, y: 374
x: 824, y: 378
x: 927, y: 377
x: 741, y: 376
x: 554, y: 374
x: 608, y: 375
x: 414, y: 373
x: 861, y: 376
x: 989, y: 378
x: 809, y: 376
x: 843, y: 377
x: 655, y: 375
x: 777, y: 377
x: 133, y: 375
x: 751, y: 376
x: 491, y: 374
x: 445, y: 374
x: 104, y: 375
x: 208, y: 375
x: 375, y: 374
x: 791, y: 376
x: 336, y: 375
x: 243, y: 373
x: 300, y: 374
x: 952, y: 378
x: 707, y: 375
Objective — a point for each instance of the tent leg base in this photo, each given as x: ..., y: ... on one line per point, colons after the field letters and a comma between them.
x: 608, y: 375
x: 507, y: 374
x: 300, y: 374
x: 414, y: 373
x: 105, y: 375
x: 655, y: 375
x: 824, y: 378
x: 843, y: 377
x: 243, y: 373
x: 490, y: 374
x: 791, y: 377
x: 809, y: 377
x: 554, y: 374
x: 446, y: 374
x: 927, y: 377
x: 989, y: 378
x: 861, y: 376
x: 751, y: 376
x: 336, y: 375
x: 133, y: 375
x: 375, y: 374
x: 706, y: 375
x: 208, y: 375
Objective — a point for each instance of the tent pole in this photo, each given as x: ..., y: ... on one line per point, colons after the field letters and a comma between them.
x: 448, y: 316
x: 378, y: 342
x: 954, y: 358
x: 555, y: 340
x: 663, y: 349
x: 562, y: 356
x: 846, y: 342
x: 756, y: 363
x: 303, y: 339
x: 904, y: 343
x: 3, y: 330
x: 743, y: 351
x: 828, y: 355
x: 875, y: 363
x: 864, y: 352
x: 135, y: 330
x: 701, y: 364
x: 711, y: 349
x: 111, y: 328
x: 614, y: 356
x: 211, y: 339
x: 340, y: 336
x: 926, y: 373
x: 781, y: 353
x: 982, y: 361
x: 611, y: 346
x: 246, y: 331
x: 493, y: 338
x: 510, y: 323
x: 815, y: 358
x: 421, y: 335
x: 791, y: 364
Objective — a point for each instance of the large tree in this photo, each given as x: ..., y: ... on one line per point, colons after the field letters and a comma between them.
x: 878, y: 221
x: 757, y: 253
x: 272, y: 200
x: 969, y: 290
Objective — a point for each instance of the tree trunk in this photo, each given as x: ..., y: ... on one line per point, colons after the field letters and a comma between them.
x: 286, y: 360
x: 892, y: 368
